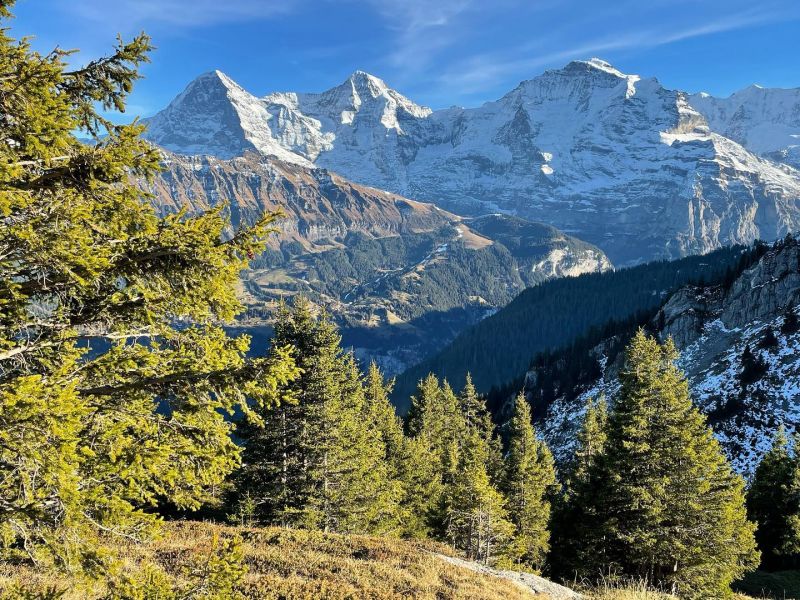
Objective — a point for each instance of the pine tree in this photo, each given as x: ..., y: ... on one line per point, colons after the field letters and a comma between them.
x: 670, y: 508
x: 529, y: 478
x: 773, y: 502
x: 106, y: 406
x: 476, y: 520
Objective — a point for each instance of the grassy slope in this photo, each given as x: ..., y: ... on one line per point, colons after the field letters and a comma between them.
x: 302, y: 565
x: 290, y: 564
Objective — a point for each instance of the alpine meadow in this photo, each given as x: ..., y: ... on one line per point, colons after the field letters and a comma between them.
x: 340, y: 345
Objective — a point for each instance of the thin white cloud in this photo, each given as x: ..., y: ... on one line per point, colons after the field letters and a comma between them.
x: 421, y: 28
x: 483, y: 71
x: 179, y: 13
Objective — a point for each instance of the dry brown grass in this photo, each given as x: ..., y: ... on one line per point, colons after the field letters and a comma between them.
x: 635, y: 591
x: 288, y: 564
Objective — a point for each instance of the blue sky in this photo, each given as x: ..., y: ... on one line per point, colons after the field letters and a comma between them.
x: 437, y: 52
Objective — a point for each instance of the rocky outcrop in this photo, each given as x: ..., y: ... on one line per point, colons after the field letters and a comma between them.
x: 714, y: 328
x: 320, y: 207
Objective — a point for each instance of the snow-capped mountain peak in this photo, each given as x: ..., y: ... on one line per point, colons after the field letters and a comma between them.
x: 640, y: 170
x: 214, y: 115
x: 766, y: 121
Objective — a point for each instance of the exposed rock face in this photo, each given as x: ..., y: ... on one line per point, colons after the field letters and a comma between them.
x: 320, y: 207
x: 712, y: 326
x: 620, y: 161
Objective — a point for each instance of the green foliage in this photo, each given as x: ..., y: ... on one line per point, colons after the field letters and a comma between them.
x: 552, y: 315
x: 322, y: 462
x: 666, y: 506
x: 107, y: 404
x: 529, y: 478
x: 773, y: 502
x: 577, y: 542
x: 476, y: 519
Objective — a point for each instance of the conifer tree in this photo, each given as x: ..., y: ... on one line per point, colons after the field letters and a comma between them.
x: 670, y: 508
x: 577, y: 542
x: 791, y: 324
x: 773, y: 503
x: 529, y: 478
x: 435, y: 425
x: 473, y: 410
x: 105, y: 406
x: 322, y: 462
x: 476, y: 520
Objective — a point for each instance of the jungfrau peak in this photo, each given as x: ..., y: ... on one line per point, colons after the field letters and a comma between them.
x: 620, y: 161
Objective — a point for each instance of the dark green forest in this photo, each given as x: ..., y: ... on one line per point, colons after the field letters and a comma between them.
x: 552, y: 315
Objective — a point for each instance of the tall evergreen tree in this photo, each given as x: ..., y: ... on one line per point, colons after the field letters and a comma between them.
x: 473, y: 410
x: 773, y: 503
x: 671, y: 510
x: 529, y: 479
x: 476, y: 520
x: 577, y: 543
x: 320, y: 463
x: 106, y: 406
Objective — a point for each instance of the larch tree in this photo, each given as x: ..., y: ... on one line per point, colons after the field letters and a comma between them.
x: 529, y: 479
x: 671, y: 510
x: 106, y: 404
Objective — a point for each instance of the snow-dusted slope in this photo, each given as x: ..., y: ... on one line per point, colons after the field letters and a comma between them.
x: 766, y: 121
x: 615, y: 159
x: 215, y: 116
x: 712, y: 327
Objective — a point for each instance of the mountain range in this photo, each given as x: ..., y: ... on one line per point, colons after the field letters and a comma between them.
x: 411, y: 224
x: 617, y: 160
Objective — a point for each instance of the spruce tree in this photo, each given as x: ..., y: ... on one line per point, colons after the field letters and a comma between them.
x: 773, y: 503
x: 529, y: 478
x: 476, y: 520
x: 106, y: 406
x: 577, y: 548
x: 321, y: 462
x: 473, y: 410
x: 670, y: 509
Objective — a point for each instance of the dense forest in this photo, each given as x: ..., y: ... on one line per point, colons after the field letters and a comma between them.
x: 124, y: 401
x: 555, y: 313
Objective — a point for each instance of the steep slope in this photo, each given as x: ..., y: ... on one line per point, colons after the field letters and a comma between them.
x: 612, y: 158
x: 293, y: 564
x: 403, y: 277
x: 740, y: 348
x: 215, y: 116
x: 555, y: 314
x: 766, y: 121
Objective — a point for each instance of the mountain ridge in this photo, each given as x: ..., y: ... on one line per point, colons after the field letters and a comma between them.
x: 641, y: 171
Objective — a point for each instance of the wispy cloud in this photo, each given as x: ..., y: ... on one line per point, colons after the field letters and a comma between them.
x: 482, y: 71
x: 179, y: 13
x: 421, y: 29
